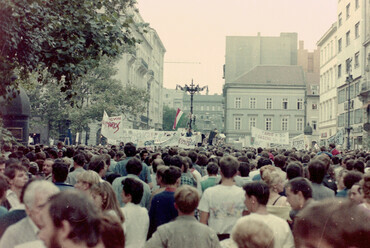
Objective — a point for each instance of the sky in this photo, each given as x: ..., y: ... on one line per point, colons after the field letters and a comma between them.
x: 194, y: 31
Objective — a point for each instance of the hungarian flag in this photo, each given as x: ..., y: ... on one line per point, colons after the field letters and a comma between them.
x: 179, y: 113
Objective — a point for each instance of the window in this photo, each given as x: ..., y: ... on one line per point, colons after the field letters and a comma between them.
x: 314, y: 125
x: 341, y: 120
x: 357, y: 4
x: 201, y: 108
x: 341, y: 96
x: 348, y: 38
x: 340, y: 19
x: 237, y: 102
x: 314, y: 89
x: 348, y: 65
x: 358, y: 116
x: 339, y: 45
x: 299, y: 124
x: 357, y: 59
x: 339, y: 71
x: 348, y: 10
x: 252, y: 103
x: 268, y: 103
x: 285, y: 103
x: 357, y: 30
x: 284, y: 124
x: 207, y: 108
x: 314, y: 105
x: 300, y: 103
x: 237, y: 123
x: 252, y: 122
x: 213, y: 108
x: 268, y: 123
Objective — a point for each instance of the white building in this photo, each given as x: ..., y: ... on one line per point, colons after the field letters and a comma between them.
x: 328, y: 84
x: 173, y: 98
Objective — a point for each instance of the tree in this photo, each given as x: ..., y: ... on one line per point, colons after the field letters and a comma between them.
x: 64, y: 37
x: 97, y: 92
x: 169, y: 115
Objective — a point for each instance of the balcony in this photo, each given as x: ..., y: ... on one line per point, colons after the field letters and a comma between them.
x: 365, y: 87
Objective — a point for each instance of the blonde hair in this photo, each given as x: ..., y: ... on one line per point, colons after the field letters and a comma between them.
x: 88, y: 176
x: 270, y: 175
x: 187, y: 199
x: 250, y: 233
x: 110, y: 202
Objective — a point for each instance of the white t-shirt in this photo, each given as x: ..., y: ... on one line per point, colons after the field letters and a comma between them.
x: 283, y: 237
x: 136, y: 225
x: 225, y: 205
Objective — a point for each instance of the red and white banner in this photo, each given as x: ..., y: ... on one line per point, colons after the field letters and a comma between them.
x: 111, y: 126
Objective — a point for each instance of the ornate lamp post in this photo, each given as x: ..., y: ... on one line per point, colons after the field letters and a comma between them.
x: 192, y: 90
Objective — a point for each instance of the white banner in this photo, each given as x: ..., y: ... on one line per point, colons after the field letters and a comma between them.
x: 111, y: 127
x: 262, y: 136
x: 300, y: 142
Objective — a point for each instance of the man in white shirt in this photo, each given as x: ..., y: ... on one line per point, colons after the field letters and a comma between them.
x: 256, y: 198
x: 222, y: 205
x: 136, y: 223
x: 36, y: 195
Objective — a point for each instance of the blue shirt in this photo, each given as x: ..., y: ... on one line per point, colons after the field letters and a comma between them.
x: 120, y: 168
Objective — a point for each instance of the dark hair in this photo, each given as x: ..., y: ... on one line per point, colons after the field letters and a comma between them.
x: 96, y: 165
x: 306, y: 158
x: 171, y: 175
x: 332, y: 145
x: 193, y: 156
x: 156, y: 162
x: 337, y: 222
x: 258, y: 189
x: 351, y: 178
x: 134, y: 166
x: 202, y: 160
x: 10, y: 170
x: 112, y: 154
x: 279, y: 161
x: 134, y: 188
x: 212, y: 169
x: 335, y: 159
x: 317, y: 171
x: 79, y: 159
x: 52, y: 153
x: 176, y: 161
x: 244, y: 169
x: 293, y: 170
x: 350, y: 163
x: 263, y: 161
x: 112, y: 233
x: 359, y: 166
x: 80, y: 212
x: 60, y: 171
x: 300, y: 184
x: 3, y: 186
x: 130, y: 150
x: 229, y: 166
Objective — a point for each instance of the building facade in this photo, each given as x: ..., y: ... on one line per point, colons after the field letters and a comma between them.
x: 328, y: 84
x: 245, y: 52
x: 173, y: 98
x: 267, y: 97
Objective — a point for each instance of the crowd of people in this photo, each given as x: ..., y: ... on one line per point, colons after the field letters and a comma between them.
x: 124, y: 196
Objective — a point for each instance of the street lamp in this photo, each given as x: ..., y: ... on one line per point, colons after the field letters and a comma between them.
x: 192, y: 90
x: 349, y: 80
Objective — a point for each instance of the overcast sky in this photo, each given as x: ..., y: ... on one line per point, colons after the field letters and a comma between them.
x: 193, y: 31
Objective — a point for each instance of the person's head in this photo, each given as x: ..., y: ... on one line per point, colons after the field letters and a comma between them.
x: 317, y: 171
x: 172, y: 176
x: 186, y: 199
x: 36, y: 195
x: 144, y: 154
x: 229, y: 166
x: 332, y: 223
x: 60, y: 171
x: 212, y: 169
x: 244, y: 169
x: 134, y: 166
x: 256, y: 194
x: 177, y: 161
x: 98, y: 165
x: 17, y: 176
x: 250, y: 233
x: 293, y: 170
x: 3, y: 187
x: 306, y: 158
x: 70, y: 218
x: 331, y: 146
x: 130, y: 150
x: 132, y: 191
x: 202, y: 160
x: 273, y: 177
x: 335, y: 160
x: 351, y: 178
x: 263, y: 161
x: 2, y: 165
x: 157, y: 162
x: 193, y: 156
x: 280, y: 161
x: 359, y: 166
x: 298, y: 191
x: 112, y: 234
x: 87, y: 179
x: 356, y: 193
x: 79, y: 159
x: 365, y: 185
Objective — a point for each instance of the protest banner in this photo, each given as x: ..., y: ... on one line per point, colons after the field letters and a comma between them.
x: 111, y: 127
x: 266, y: 137
x: 338, y: 138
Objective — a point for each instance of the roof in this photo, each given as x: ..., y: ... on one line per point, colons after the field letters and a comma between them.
x: 273, y: 75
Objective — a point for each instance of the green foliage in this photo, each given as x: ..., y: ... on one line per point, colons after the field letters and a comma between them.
x: 66, y: 38
x: 169, y: 115
x: 96, y: 91
x: 6, y: 136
